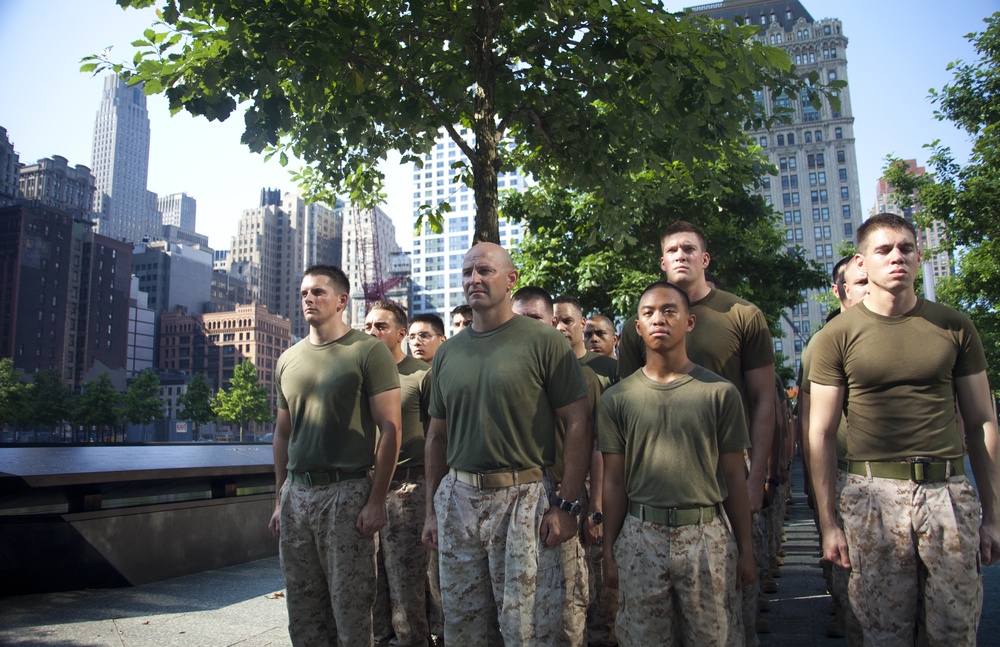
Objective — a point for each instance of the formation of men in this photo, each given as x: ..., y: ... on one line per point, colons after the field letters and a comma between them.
x: 514, y: 484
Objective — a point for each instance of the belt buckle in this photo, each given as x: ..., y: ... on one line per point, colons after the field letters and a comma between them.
x: 308, y: 478
x: 919, y: 469
x: 672, y: 517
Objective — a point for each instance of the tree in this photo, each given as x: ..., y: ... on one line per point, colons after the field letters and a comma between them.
x: 14, y: 394
x: 966, y: 199
x: 142, y: 404
x: 196, y: 403
x: 50, y: 401
x: 245, y: 401
x: 97, y: 405
x: 589, y: 94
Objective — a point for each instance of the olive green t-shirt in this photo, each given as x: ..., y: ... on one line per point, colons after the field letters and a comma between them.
x: 326, y: 390
x: 605, y: 367
x: 594, y: 391
x: 672, y: 435
x: 805, y: 386
x: 498, y: 391
x: 899, y: 374
x: 415, y: 396
x: 730, y: 337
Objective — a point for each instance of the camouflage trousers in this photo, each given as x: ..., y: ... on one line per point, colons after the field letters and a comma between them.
x: 914, y: 550
x: 750, y: 592
x: 603, y: 602
x: 677, y: 586
x: 400, y: 601
x: 433, y: 594
x: 499, y: 583
x: 839, y: 578
x: 329, y: 567
x: 574, y: 620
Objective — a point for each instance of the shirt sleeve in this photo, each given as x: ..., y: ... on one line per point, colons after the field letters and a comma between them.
x: 758, y: 349
x: 381, y: 373
x: 610, y: 437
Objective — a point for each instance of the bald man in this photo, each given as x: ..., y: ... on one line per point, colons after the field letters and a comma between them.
x: 498, y: 390
x: 600, y: 336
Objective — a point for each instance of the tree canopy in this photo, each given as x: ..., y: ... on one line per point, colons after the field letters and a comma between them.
x: 14, y: 394
x: 196, y: 402
x: 141, y: 403
x: 966, y: 198
x: 50, y: 401
x: 97, y: 403
x: 592, y: 95
x: 245, y: 401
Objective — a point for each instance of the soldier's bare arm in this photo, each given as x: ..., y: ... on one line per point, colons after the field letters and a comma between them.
x: 824, y: 416
x: 558, y: 525
x: 975, y: 403
x: 760, y: 396
x: 615, y: 505
x: 386, y: 412
x: 435, y: 467
x: 737, y: 505
x: 279, y: 446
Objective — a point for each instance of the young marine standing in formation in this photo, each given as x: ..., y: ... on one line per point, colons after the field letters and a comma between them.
x: 509, y: 446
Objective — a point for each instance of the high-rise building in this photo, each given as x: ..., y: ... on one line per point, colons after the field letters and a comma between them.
x: 437, y: 258
x: 369, y: 248
x: 123, y: 207
x: 179, y: 210
x: 929, y: 239
x: 275, y: 242
x: 55, y: 183
x: 816, y: 189
x: 215, y: 343
x: 64, y: 295
x: 141, y: 332
x: 10, y: 167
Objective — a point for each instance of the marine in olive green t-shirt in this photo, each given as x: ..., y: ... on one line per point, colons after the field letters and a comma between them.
x: 671, y: 435
x: 415, y: 394
x: 605, y: 367
x: 326, y: 390
x: 805, y: 386
x: 899, y: 376
x: 730, y: 338
x: 498, y: 391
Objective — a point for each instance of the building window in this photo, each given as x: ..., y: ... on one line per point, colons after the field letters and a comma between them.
x: 808, y: 137
x: 838, y: 133
x: 844, y: 193
x: 847, y: 211
x: 763, y: 142
x: 791, y: 139
x: 848, y: 229
x: 781, y: 140
x: 819, y: 135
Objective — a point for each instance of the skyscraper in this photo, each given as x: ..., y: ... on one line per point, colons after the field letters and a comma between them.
x: 816, y: 189
x: 179, y: 210
x: 369, y: 254
x: 437, y: 258
x: 53, y: 182
x: 123, y: 207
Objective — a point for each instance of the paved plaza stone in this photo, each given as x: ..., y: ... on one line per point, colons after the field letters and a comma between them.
x: 243, y: 605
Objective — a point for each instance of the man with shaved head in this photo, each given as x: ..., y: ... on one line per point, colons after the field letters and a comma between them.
x: 498, y: 390
x: 599, y: 335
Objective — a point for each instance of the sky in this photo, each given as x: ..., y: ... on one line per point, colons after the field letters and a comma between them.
x: 897, y: 50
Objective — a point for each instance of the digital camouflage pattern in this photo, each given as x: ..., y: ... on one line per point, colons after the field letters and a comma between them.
x: 677, y: 585
x: 499, y: 583
x: 405, y: 559
x: 574, y: 621
x: 329, y: 567
x: 603, y: 602
x: 908, y: 543
x: 750, y: 592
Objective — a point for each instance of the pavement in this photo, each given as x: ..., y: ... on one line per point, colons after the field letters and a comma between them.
x: 244, y: 605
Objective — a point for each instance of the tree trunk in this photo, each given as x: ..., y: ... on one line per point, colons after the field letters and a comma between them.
x: 486, y: 161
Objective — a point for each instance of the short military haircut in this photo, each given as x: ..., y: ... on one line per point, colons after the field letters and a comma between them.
x: 391, y: 306
x: 682, y: 227
x: 608, y: 320
x: 531, y: 293
x: 432, y: 320
x: 332, y: 272
x: 882, y: 221
x: 465, y: 310
x: 573, y: 301
x: 669, y: 286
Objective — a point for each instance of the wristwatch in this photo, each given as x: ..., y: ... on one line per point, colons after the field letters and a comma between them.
x: 572, y: 507
x: 597, y: 516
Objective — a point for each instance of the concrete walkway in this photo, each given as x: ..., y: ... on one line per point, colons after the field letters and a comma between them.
x: 242, y: 605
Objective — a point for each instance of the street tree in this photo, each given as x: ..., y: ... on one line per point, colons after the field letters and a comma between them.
x: 245, y: 401
x: 14, y: 394
x: 966, y: 198
x: 196, y: 403
x: 98, y: 406
x: 141, y: 403
x: 592, y: 95
x: 50, y: 402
